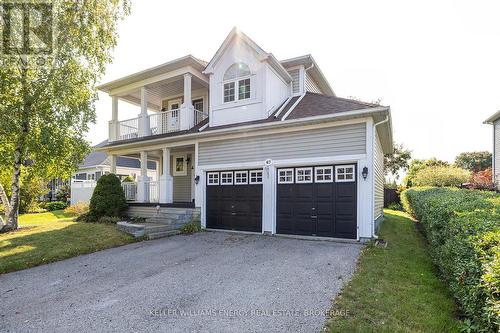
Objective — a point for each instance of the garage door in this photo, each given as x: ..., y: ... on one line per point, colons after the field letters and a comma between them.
x: 234, y: 200
x: 317, y: 201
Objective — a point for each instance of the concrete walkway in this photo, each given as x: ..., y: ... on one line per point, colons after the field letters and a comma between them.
x: 207, y: 282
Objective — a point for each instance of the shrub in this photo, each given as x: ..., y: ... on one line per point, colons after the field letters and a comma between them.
x: 78, y: 209
x: 190, y: 228
x: 395, y: 206
x: 441, y: 176
x: 109, y: 219
x: 108, y: 198
x: 62, y: 194
x: 463, y: 230
x: 55, y: 205
x: 482, y: 180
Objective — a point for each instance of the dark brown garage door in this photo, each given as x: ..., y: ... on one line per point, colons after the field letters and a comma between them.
x: 317, y: 201
x: 234, y: 200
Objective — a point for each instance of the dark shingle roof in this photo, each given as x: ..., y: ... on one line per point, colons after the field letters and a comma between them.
x: 100, y: 158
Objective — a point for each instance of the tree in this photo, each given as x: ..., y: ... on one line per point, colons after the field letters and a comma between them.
x: 474, y: 161
x: 397, y: 161
x: 417, y: 165
x: 441, y: 176
x: 47, y: 97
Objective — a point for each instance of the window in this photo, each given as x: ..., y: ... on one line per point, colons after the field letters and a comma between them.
x: 226, y: 178
x: 180, y: 165
x: 285, y: 176
x: 228, y: 92
x: 237, y: 75
x: 324, y: 174
x: 240, y: 177
x: 256, y: 177
x: 244, y: 89
x: 303, y: 175
x: 213, y: 178
x: 344, y: 173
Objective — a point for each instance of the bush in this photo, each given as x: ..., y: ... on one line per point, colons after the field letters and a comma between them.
x: 62, y: 194
x: 55, y: 205
x: 441, y: 176
x: 78, y: 209
x: 109, y: 219
x: 108, y: 198
x: 463, y: 229
x: 190, y: 228
x: 395, y: 206
x: 482, y: 180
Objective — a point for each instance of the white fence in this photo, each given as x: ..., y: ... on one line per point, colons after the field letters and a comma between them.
x: 81, y: 190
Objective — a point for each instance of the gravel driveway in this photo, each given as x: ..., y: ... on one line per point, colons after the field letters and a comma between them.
x: 207, y: 282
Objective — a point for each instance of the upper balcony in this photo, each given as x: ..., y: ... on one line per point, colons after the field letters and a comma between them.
x: 171, y: 97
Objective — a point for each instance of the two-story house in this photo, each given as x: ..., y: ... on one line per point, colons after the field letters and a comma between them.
x: 254, y: 143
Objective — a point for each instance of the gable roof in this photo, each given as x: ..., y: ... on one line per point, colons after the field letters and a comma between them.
x: 263, y: 55
x: 97, y: 158
x: 493, y: 118
x: 313, y: 69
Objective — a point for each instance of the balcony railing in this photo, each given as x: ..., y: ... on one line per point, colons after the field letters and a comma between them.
x: 151, y: 191
x: 159, y: 123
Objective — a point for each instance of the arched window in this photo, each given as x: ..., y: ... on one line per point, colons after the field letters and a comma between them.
x: 237, y: 74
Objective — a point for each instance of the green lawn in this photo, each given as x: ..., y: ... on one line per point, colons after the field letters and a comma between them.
x: 52, y: 236
x: 395, y: 289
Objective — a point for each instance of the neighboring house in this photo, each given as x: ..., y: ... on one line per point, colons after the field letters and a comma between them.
x: 254, y: 143
x: 495, y: 121
x: 97, y: 164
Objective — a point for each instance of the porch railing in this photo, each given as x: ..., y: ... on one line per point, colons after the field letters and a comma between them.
x: 130, y: 190
x: 151, y: 191
x: 199, y: 116
x: 164, y: 122
x: 128, y: 129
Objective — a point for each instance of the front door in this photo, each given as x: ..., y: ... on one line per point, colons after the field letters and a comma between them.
x: 173, y: 109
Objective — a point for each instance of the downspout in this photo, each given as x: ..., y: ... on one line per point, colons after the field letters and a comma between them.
x: 373, y: 178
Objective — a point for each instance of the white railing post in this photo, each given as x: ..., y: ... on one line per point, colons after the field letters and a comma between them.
x: 166, y: 180
x: 187, y: 114
x: 143, y: 183
x: 144, y: 128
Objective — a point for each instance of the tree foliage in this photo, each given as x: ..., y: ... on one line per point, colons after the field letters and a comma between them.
x: 474, y: 161
x: 417, y: 165
x: 47, y: 102
x: 397, y: 161
x: 441, y: 176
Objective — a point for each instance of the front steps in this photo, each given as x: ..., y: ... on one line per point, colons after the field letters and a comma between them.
x: 159, y: 221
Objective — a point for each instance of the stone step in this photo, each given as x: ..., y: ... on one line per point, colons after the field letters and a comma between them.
x: 161, y: 234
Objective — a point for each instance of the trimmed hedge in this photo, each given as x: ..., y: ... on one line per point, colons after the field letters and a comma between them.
x: 55, y: 205
x: 463, y: 231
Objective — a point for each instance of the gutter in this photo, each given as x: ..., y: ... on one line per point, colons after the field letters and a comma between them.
x: 373, y: 178
x: 276, y: 124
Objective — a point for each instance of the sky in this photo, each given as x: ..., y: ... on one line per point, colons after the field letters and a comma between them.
x: 435, y: 63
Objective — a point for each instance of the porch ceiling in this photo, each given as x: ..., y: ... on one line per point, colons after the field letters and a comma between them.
x: 160, y: 90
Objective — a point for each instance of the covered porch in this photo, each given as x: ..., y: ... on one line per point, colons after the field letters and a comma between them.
x: 175, y: 184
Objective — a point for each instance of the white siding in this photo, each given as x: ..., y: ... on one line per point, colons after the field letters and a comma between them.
x: 331, y: 141
x: 295, y: 74
x: 311, y: 85
x: 378, y: 172
x: 496, y: 153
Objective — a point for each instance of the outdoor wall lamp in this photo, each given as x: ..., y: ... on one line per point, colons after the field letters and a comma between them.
x: 196, y: 180
x: 365, y: 173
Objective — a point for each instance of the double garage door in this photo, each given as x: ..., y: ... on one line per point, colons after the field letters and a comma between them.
x: 311, y: 201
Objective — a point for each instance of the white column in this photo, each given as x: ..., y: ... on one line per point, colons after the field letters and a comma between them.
x: 144, y: 129
x: 142, y: 184
x: 166, y: 180
x: 187, y: 110
x: 113, y: 124
x: 113, y: 164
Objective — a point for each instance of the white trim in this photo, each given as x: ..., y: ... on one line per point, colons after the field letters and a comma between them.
x: 345, y: 180
x: 304, y: 181
x: 209, y: 183
x: 226, y: 173
x: 256, y: 176
x: 285, y: 103
x: 236, y: 177
x: 323, y: 180
x: 293, y: 107
x: 203, y: 127
x: 286, y: 170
